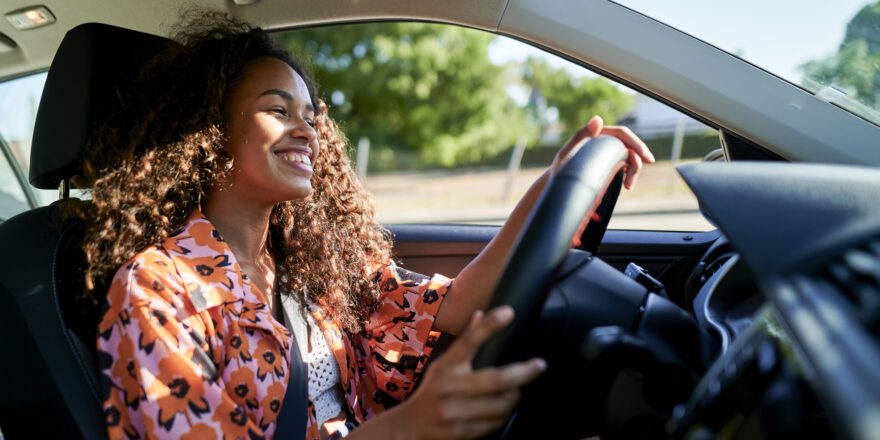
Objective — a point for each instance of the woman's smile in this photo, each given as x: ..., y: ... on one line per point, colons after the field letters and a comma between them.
x: 298, y: 159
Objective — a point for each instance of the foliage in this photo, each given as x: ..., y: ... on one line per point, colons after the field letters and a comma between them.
x: 853, y: 68
x: 429, y: 91
x: 577, y: 99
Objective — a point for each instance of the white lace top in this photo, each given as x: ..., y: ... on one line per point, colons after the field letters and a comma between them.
x: 324, y: 389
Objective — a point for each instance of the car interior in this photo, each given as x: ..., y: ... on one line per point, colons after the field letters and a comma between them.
x: 765, y: 327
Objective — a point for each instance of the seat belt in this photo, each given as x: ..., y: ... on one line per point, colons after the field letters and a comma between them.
x: 294, y: 410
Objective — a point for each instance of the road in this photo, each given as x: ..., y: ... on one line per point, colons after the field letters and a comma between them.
x: 660, y: 200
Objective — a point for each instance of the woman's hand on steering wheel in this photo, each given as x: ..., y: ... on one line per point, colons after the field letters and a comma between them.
x: 637, y: 150
x: 454, y: 401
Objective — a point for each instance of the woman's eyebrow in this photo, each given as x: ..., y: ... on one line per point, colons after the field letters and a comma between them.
x: 280, y: 93
x: 286, y: 96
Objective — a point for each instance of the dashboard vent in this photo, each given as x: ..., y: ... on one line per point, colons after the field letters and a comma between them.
x: 712, y: 266
x: 857, y: 276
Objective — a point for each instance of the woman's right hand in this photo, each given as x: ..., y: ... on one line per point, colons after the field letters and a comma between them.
x: 453, y: 400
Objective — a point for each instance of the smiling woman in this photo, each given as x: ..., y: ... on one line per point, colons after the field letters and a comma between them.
x: 232, y: 208
x: 223, y: 204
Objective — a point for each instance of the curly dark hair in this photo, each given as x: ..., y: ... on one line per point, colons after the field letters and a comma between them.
x: 152, y: 161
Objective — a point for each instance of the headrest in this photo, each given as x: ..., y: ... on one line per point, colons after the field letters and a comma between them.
x: 91, y: 64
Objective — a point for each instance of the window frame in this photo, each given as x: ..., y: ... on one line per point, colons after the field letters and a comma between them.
x: 19, y: 174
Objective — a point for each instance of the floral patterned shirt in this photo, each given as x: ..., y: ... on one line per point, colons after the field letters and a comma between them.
x: 187, y: 347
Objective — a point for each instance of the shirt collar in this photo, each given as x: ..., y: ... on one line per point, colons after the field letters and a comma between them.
x: 209, y: 270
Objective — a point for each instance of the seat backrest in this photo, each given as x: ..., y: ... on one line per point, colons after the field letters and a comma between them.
x: 49, y: 386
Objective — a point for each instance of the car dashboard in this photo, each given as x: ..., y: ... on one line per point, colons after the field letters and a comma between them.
x: 792, y: 292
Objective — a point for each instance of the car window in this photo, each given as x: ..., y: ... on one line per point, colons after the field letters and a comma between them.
x: 828, y: 48
x: 13, y: 199
x: 19, y: 100
x: 451, y: 125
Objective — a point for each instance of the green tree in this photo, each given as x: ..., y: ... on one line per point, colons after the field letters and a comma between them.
x: 418, y: 87
x: 576, y: 98
x: 853, y: 68
x: 430, y: 91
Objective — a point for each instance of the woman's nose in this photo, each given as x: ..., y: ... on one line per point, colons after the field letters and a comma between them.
x: 302, y: 129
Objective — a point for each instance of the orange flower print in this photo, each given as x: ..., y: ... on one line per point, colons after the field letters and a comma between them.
x: 126, y: 368
x: 200, y: 431
x: 237, y: 346
x: 271, y: 404
x: 232, y: 418
x: 205, y: 235
x: 173, y: 245
x: 113, y: 311
x: 157, y: 324
x: 269, y: 359
x: 178, y: 388
x: 210, y: 270
x: 249, y: 311
x: 117, y: 419
x: 242, y: 387
x: 153, y: 283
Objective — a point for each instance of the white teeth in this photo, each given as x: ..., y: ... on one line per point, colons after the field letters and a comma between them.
x: 296, y: 157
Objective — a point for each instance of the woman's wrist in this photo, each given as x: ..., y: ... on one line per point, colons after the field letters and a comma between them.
x: 394, y: 424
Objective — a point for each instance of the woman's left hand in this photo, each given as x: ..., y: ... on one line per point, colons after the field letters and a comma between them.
x: 474, y: 284
x: 638, y: 151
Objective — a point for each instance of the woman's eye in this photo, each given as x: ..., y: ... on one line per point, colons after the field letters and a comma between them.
x: 279, y: 110
x: 310, y: 122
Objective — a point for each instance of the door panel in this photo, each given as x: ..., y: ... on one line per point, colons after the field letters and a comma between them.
x: 446, y: 249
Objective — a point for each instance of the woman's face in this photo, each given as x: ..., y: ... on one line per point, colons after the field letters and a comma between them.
x: 270, y: 134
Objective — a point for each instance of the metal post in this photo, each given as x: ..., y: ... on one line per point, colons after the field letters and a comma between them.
x: 677, y: 141
x: 513, y: 167
x: 363, y: 156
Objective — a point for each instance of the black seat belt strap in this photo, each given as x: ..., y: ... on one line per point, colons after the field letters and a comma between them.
x: 294, y: 410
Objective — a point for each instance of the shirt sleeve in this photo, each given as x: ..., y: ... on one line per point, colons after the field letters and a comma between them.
x: 157, y: 377
x: 399, y: 334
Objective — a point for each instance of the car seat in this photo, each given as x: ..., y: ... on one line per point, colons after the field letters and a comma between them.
x: 48, y: 375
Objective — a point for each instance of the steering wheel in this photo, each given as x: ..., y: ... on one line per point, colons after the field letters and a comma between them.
x: 572, y: 195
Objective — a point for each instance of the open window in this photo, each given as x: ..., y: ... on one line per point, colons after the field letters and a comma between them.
x: 451, y: 125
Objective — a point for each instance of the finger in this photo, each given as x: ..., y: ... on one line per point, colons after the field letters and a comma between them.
x: 497, y: 380
x: 631, y: 141
x: 475, y: 319
x: 466, y: 346
x: 477, y: 428
x: 591, y: 129
x: 633, y: 167
x: 483, y: 408
x: 594, y: 126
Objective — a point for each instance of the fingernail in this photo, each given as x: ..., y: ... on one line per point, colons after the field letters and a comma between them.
x: 541, y: 364
x: 630, y: 181
x: 504, y: 313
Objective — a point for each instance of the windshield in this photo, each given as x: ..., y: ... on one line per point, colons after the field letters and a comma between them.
x: 831, y: 49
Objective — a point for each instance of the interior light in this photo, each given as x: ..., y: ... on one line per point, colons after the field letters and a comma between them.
x: 36, y: 17
x: 30, y: 17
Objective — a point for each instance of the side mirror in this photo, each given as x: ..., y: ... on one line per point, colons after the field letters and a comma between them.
x: 716, y: 156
